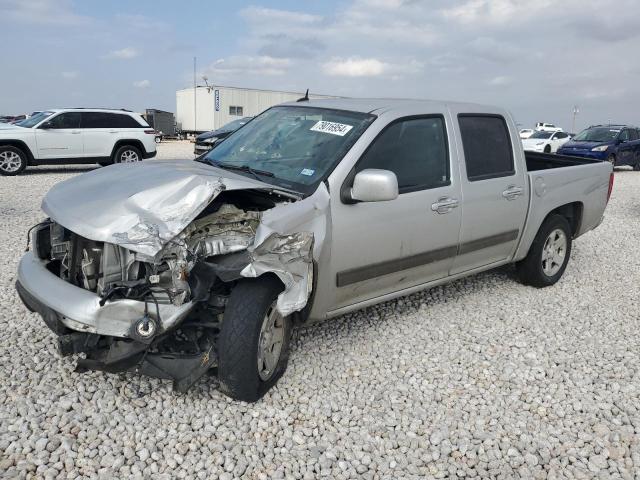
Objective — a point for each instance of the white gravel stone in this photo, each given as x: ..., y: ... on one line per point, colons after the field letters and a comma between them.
x: 482, y: 378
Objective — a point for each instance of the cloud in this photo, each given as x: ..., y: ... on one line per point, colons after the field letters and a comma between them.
x: 500, y: 81
x: 243, y: 64
x: 270, y: 15
x: 493, y: 50
x: 141, y: 22
x: 42, y: 12
x: 355, y: 67
x: 142, y: 84
x: 281, y: 45
x: 124, y: 53
x: 69, y: 75
x: 492, y: 12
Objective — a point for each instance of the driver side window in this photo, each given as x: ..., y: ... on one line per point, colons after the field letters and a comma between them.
x: 65, y: 120
x: 415, y: 150
x: 624, y: 135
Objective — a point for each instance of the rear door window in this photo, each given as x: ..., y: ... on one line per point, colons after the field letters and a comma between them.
x: 487, y: 146
x: 108, y: 120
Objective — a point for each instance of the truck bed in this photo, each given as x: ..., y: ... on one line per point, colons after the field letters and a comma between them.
x: 558, y: 180
x: 545, y: 161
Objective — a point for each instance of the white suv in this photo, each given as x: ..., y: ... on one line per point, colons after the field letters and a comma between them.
x: 547, y: 127
x: 75, y: 135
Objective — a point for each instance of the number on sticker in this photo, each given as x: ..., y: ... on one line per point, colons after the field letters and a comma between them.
x: 332, y: 127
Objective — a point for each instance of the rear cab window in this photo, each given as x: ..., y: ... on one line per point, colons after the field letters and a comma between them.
x: 488, y: 151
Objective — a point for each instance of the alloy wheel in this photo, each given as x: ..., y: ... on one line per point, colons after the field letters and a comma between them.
x: 129, y: 156
x: 554, y: 252
x: 10, y: 162
x: 270, y: 343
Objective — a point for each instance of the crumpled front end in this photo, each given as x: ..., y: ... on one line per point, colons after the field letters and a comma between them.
x: 150, y: 297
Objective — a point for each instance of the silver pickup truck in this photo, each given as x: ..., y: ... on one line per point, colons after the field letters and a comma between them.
x: 310, y: 210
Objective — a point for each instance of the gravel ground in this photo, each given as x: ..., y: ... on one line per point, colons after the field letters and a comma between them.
x: 481, y: 378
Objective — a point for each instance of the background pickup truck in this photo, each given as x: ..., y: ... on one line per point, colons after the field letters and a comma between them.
x: 309, y: 211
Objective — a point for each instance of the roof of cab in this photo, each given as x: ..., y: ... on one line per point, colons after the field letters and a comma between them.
x: 376, y: 105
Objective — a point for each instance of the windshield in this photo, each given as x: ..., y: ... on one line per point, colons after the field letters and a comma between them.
x: 541, y: 135
x: 291, y: 147
x: 33, y: 121
x: 600, y: 134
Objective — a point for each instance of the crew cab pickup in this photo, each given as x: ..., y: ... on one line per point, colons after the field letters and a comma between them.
x: 310, y: 211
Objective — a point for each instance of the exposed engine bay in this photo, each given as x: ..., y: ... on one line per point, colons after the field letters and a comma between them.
x: 178, y: 294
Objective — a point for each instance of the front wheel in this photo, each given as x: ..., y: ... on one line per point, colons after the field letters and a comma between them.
x: 549, y: 254
x: 253, y: 346
x: 12, y: 160
x: 127, y: 154
x: 612, y: 159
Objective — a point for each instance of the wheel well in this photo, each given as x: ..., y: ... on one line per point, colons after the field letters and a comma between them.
x: 133, y: 143
x: 19, y: 144
x: 572, y: 212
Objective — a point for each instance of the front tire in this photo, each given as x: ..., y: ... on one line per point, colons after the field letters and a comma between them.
x: 549, y: 254
x: 13, y: 161
x: 547, y: 149
x: 253, y: 346
x: 612, y: 159
x: 127, y: 154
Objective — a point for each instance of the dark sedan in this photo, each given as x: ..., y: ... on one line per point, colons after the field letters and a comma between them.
x: 207, y: 140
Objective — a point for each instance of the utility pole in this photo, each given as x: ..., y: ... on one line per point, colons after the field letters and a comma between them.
x: 195, y: 94
x: 576, y: 111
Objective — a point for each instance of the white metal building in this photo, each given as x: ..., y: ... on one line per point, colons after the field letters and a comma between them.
x: 217, y: 105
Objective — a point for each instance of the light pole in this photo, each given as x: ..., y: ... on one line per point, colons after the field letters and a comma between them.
x: 195, y: 94
x: 576, y: 111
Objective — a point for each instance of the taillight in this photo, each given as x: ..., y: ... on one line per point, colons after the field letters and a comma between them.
x: 611, y: 177
x: 150, y: 132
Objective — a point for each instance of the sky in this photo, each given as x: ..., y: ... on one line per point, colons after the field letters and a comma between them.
x: 537, y: 58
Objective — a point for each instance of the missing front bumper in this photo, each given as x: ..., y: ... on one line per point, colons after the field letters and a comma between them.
x: 116, y: 355
x: 80, y: 310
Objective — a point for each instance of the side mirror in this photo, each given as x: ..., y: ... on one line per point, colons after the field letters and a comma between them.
x: 374, y: 185
x: 46, y: 126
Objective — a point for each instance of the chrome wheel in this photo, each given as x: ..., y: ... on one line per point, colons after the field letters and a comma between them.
x: 270, y: 343
x: 10, y: 162
x: 129, y: 156
x: 554, y: 252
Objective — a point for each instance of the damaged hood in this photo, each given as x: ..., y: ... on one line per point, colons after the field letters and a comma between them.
x: 140, y: 206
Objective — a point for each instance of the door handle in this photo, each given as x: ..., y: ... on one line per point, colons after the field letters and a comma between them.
x: 512, y: 192
x: 444, y: 205
x: 113, y: 131
x: 75, y: 132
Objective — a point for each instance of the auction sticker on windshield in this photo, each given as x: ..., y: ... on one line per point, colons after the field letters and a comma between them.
x: 331, y: 127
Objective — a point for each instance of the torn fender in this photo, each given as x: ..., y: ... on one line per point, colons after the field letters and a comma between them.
x: 288, y: 240
x: 290, y: 258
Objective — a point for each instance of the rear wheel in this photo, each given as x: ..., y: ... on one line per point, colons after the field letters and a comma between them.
x: 253, y: 346
x: 549, y: 254
x: 12, y: 160
x: 127, y: 154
